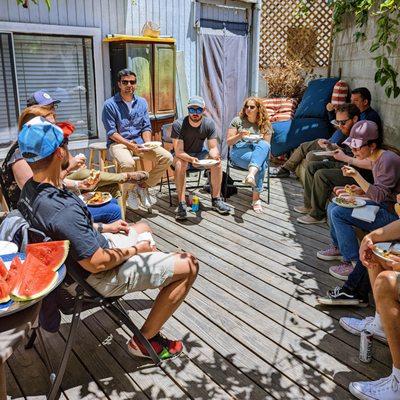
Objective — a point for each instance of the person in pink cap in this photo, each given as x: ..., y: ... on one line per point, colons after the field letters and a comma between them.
x: 365, y: 144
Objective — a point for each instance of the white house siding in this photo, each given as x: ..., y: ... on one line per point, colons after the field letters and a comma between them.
x: 358, y: 69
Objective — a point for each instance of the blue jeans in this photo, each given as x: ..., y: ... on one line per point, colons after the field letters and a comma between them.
x: 106, y: 213
x: 344, y: 237
x: 245, y: 155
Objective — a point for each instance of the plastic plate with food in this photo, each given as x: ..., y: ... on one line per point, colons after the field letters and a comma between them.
x: 324, y: 153
x: 207, y: 162
x: 152, y: 145
x: 252, y: 138
x: 96, y: 198
x: 384, y: 250
x: 349, y: 202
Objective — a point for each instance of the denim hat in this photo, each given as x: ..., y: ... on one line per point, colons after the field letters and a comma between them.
x: 361, y: 133
x: 41, y: 98
x: 196, y: 101
x: 39, y: 139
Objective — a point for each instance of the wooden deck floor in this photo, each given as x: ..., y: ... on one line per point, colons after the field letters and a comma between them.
x: 250, y: 325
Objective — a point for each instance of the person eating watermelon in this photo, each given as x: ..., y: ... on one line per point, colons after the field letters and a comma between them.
x: 113, y: 258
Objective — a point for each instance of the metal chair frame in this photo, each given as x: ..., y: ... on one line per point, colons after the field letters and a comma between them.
x: 166, y: 138
x: 230, y: 165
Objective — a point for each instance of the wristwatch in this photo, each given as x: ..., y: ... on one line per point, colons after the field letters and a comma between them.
x: 100, y: 227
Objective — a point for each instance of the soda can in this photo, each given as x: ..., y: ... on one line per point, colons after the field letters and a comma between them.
x: 365, y: 355
x: 195, y: 204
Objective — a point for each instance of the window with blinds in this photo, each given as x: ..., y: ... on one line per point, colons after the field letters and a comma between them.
x: 63, y: 66
x: 8, y: 94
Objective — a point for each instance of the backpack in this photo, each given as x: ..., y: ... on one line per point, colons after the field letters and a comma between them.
x: 232, y: 190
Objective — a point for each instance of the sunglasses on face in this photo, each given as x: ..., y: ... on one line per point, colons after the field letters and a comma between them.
x: 197, y: 110
x: 251, y: 107
x: 342, y: 122
x: 54, y: 106
x: 125, y: 82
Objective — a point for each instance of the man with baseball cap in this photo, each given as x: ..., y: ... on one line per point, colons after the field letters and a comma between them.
x: 189, y: 135
x: 112, y: 262
x: 42, y: 98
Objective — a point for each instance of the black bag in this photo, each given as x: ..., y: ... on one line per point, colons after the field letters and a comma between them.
x: 232, y: 190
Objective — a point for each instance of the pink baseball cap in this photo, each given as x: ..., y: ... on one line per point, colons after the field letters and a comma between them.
x: 361, y: 133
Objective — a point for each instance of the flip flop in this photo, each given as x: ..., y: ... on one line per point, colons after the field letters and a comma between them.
x: 249, y: 180
x: 257, y: 206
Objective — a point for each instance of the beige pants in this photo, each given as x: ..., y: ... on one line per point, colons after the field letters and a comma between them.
x: 159, y: 156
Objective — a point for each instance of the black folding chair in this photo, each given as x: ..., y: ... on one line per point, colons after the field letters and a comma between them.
x: 166, y: 130
x: 237, y: 182
x: 86, y: 297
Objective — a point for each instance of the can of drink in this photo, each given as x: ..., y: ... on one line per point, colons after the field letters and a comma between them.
x: 365, y: 355
x: 195, y: 204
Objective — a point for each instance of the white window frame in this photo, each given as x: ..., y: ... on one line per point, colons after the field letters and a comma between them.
x: 95, y: 34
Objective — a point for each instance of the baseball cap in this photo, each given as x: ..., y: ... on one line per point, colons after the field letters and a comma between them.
x: 196, y: 101
x: 361, y: 133
x: 41, y: 98
x: 39, y: 139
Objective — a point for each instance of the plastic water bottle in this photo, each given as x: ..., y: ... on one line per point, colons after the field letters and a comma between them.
x: 195, y: 204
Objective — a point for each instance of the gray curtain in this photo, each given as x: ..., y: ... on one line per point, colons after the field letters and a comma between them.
x: 223, y: 75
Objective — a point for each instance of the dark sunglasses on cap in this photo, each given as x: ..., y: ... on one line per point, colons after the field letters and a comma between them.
x: 197, y: 110
x: 125, y: 82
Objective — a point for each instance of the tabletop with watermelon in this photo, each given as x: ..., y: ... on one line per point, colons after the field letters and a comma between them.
x: 26, y: 278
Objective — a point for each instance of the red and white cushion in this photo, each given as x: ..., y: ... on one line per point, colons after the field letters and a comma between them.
x: 339, y: 94
x: 280, y: 109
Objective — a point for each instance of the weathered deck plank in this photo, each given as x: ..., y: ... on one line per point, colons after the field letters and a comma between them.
x: 250, y: 325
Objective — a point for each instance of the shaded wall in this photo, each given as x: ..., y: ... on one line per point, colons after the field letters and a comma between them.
x: 358, y: 69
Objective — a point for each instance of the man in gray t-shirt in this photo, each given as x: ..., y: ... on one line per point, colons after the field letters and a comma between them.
x: 189, y: 135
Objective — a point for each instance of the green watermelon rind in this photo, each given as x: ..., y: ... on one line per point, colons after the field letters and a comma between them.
x: 16, y: 296
x: 62, y: 259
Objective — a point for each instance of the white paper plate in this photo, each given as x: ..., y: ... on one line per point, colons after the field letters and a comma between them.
x: 384, y: 246
x: 359, y: 203
x: 252, y: 138
x: 324, y: 153
x: 7, y: 247
x: 207, y: 162
x: 152, y: 145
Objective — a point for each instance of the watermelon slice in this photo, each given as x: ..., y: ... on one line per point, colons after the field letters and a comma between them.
x: 4, y: 292
x: 37, y: 279
x: 52, y: 254
x: 14, y: 274
x: 3, y: 269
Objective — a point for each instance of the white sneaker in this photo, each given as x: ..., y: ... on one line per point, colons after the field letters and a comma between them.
x: 383, y: 389
x: 132, y: 200
x: 144, y: 197
x: 356, y: 326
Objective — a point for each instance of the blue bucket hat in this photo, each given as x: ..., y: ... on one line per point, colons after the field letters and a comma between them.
x: 39, y: 139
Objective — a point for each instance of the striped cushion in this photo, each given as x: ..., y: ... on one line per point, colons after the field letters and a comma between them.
x: 339, y: 94
x: 280, y: 109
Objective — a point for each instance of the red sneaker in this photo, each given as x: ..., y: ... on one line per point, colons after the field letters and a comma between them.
x: 165, y: 348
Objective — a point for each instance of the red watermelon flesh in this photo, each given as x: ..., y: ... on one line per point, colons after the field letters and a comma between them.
x: 52, y: 254
x: 3, y: 269
x: 37, y: 279
x: 4, y: 292
x: 14, y: 274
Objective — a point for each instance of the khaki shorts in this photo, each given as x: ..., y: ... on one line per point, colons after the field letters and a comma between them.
x: 140, y: 272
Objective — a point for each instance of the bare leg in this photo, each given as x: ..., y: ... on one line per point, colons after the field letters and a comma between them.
x: 388, y: 306
x: 180, y: 177
x: 253, y: 171
x: 256, y: 195
x: 216, y: 180
x: 171, y: 296
x: 373, y: 273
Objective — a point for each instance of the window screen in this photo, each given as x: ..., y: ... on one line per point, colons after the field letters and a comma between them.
x: 63, y: 66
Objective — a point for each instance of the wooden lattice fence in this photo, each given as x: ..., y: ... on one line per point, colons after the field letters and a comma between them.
x: 288, y: 34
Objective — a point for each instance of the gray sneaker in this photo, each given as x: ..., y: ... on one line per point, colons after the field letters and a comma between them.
x: 219, y: 205
x: 181, y: 213
x: 280, y: 173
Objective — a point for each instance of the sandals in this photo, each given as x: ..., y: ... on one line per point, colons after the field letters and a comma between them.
x: 257, y: 206
x: 249, y: 180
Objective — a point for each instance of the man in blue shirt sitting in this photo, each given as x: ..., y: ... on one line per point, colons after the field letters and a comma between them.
x: 127, y: 123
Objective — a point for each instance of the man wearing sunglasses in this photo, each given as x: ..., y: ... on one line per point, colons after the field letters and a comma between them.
x: 127, y: 123
x: 189, y: 135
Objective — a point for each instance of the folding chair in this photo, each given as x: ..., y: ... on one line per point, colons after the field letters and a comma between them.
x: 166, y: 130
x: 86, y: 297
x: 230, y: 165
